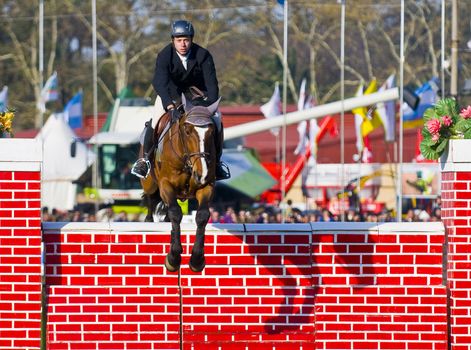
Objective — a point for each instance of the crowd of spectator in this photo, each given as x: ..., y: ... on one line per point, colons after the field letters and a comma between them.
x: 258, y: 213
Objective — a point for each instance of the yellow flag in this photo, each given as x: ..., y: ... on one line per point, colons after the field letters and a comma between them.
x: 372, y: 122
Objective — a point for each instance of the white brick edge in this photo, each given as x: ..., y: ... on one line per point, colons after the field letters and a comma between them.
x: 457, y: 157
x: 20, y: 166
x: 20, y: 150
x: 386, y: 227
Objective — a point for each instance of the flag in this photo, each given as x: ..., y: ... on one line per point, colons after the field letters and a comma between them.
x: 365, y: 124
x: 304, y: 102
x: 302, y: 96
x: 49, y: 92
x: 366, y: 155
x: 358, y: 114
x: 273, y: 107
x: 387, y: 111
x: 73, y: 111
x: 302, y: 126
x: 370, y: 121
x: 4, y: 99
x: 313, y: 132
x: 428, y: 94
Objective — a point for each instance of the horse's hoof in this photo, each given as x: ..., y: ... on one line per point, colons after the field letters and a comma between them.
x: 169, y: 267
x: 197, y: 268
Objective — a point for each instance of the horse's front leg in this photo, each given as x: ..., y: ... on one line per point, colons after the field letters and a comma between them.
x: 173, y: 258
x: 197, y: 260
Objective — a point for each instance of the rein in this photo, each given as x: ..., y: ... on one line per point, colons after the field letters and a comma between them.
x: 188, y: 159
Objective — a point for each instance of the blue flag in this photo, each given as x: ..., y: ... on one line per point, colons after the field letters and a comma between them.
x: 73, y: 111
x: 428, y: 94
x: 49, y: 92
x: 4, y: 99
x: 281, y: 2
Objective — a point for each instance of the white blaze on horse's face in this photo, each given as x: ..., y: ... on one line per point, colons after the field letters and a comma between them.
x: 201, y: 131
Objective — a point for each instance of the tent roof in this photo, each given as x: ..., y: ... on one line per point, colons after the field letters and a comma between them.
x: 58, y: 164
x: 248, y: 176
x: 118, y: 138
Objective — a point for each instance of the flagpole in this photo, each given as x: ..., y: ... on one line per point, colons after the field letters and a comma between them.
x: 342, y: 112
x: 285, y: 83
x: 43, y: 336
x: 95, y: 104
x: 41, y: 57
x: 454, y: 50
x: 401, y: 122
x: 442, y: 72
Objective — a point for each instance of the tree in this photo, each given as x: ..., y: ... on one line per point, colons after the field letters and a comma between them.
x: 23, y: 42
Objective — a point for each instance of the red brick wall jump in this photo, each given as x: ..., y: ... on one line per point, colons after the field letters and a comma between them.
x: 304, y: 286
x: 456, y: 215
x: 20, y: 259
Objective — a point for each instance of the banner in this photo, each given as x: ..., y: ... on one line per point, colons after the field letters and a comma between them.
x: 49, y: 92
x: 73, y: 111
x: 4, y: 99
x: 273, y: 107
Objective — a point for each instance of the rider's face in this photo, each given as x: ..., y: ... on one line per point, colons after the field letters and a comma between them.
x: 182, y: 44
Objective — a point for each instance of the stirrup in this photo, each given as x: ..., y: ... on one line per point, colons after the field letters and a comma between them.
x: 225, y: 173
x: 134, y: 172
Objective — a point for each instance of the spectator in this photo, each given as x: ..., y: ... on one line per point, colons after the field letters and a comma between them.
x: 214, y: 216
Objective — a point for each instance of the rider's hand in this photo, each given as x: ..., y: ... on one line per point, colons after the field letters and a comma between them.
x: 174, y: 114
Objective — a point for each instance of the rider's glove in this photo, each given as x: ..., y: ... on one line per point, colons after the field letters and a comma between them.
x: 175, y: 115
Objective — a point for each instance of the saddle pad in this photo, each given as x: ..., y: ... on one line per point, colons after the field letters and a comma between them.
x: 198, y: 120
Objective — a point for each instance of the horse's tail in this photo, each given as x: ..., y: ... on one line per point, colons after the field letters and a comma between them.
x: 161, y: 211
x: 155, y: 206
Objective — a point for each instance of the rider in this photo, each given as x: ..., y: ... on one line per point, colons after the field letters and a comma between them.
x: 182, y: 65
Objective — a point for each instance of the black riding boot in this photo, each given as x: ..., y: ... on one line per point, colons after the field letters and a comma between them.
x: 141, y: 167
x: 222, y: 170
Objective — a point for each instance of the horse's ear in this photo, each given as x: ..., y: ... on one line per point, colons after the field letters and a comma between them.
x: 186, y: 103
x: 214, y: 107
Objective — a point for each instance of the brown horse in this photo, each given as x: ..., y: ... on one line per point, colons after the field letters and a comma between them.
x: 183, y: 167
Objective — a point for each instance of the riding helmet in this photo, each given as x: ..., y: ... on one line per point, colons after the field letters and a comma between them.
x: 182, y: 28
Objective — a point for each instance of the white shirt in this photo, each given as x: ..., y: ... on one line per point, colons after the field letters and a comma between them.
x: 184, y: 59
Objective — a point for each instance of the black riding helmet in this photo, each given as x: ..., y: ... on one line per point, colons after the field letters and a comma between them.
x: 182, y: 28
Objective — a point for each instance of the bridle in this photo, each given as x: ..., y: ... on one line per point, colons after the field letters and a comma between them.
x: 190, y: 158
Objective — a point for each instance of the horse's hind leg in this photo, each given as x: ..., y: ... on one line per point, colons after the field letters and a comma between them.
x: 173, y: 259
x: 151, y: 201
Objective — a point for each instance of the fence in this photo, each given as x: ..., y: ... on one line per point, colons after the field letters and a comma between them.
x: 319, y: 285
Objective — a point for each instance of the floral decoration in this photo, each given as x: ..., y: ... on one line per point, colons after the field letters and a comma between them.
x: 6, y: 119
x: 443, y: 122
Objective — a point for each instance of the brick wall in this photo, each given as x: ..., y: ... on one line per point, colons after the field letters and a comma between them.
x: 456, y: 216
x: 328, y: 286
x: 20, y: 244
x: 108, y: 288
x: 379, y: 286
x: 304, y: 286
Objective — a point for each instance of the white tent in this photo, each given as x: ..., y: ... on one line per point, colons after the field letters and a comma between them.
x: 59, y: 167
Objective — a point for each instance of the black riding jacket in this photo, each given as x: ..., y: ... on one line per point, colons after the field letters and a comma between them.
x: 171, y: 79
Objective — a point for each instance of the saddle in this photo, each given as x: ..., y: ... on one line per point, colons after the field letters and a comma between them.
x: 197, y: 116
x: 163, y: 121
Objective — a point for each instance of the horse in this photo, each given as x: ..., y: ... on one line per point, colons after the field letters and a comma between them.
x: 183, y: 167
